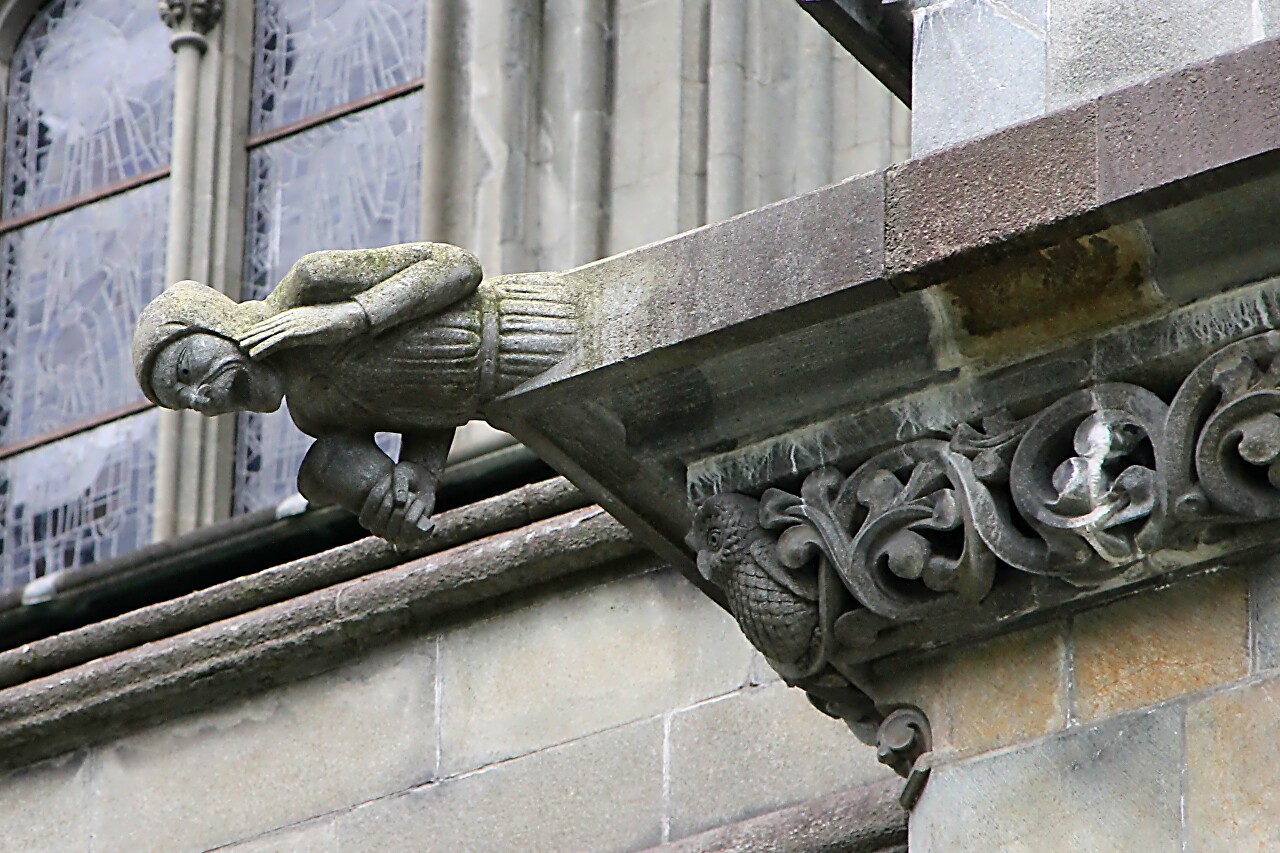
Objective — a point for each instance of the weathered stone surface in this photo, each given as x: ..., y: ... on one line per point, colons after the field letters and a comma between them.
x: 1096, y: 47
x: 603, y: 792
x: 1114, y: 786
x: 1270, y: 10
x: 1217, y: 242
x: 455, y: 527
x: 1158, y: 645
x: 755, y: 751
x: 582, y: 663
x: 646, y: 138
x: 45, y: 807
x: 975, y: 195
x: 868, y: 819
x: 316, y: 836
x: 993, y: 694
x: 1233, y: 778
x: 1039, y: 300
x: 301, y: 636
x: 276, y: 759
x: 1197, y: 119
x: 979, y: 66
x: 817, y: 244
x: 1264, y: 601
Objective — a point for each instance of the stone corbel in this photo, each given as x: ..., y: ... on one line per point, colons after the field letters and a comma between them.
x: 1084, y: 493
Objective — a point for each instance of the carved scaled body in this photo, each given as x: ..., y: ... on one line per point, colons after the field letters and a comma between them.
x: 776, y: 608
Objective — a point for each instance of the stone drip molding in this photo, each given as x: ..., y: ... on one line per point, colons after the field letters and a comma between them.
x: 1079, y: 494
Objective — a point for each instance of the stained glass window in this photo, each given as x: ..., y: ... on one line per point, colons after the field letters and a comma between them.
x: 90, y: 101
x: 89, y: 106
x: 313, y: 55
x: 72, y: 287
x: 78, y: 500
x: 349, y: 182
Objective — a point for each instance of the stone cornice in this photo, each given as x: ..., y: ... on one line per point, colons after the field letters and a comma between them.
x: 301, y: 635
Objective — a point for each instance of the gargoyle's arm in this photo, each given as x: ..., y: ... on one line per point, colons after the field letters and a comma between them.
x: 428, y: 448
x: 391, y: 284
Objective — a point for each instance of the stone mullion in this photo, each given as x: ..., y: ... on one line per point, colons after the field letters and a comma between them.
x: 218, y: 248
x: 449, y: 125
x: 181, y: 457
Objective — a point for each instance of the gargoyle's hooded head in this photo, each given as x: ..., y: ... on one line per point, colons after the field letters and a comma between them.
x: 185, y: 309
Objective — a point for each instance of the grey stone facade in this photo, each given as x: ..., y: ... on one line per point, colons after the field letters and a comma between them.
x: 981, y: 65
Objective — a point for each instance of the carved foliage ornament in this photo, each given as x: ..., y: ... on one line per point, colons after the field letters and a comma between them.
x: 203, y: 15
x: 1081, y: 491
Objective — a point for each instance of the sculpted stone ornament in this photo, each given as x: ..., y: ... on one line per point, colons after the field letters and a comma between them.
x: 405, y: 339
x: 1083, y: 491
x: 203, y: 15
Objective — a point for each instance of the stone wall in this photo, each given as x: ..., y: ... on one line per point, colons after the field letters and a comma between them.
x: 981, y: 65
x: 604, y: 716
x: 563, y: 131
x: 1148, y: 724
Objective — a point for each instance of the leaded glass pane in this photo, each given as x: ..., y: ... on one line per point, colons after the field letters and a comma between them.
x: 71, y: 288
x: 90, y: 101
x: 351, y: 183
x: 80, y: 500
x: 313, y: 55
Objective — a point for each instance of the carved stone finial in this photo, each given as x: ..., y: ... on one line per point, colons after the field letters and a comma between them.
x: 405, y: 339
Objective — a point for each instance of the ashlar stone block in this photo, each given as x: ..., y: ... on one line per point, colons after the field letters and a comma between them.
x: 1158, y: 645
x: 600, y: 793
x: 1095, y: 47
x: 314, y: 836
x: 755, y: 751
x: 992, y: 694
x: 1111, y: 787
x: 1264, y: 600
x: 570, y: 665
x: 1233, y: 778
x: 271, y: 760
x: 979, y: 65
x: 1269, y: 11
x: 43, y: 807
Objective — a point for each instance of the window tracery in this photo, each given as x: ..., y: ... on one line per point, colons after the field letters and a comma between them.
x: 89, y: 117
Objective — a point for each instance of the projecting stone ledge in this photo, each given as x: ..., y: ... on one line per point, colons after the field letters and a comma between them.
x: 973, y: 392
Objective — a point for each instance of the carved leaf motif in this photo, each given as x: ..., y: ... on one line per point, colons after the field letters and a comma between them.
x: 1081, y: 490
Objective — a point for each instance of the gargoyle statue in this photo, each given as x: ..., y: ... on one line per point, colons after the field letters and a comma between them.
x: 404, y: 339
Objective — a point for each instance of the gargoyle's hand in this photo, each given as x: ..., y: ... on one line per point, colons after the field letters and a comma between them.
x: 398, y: 507
x: 309, y: 324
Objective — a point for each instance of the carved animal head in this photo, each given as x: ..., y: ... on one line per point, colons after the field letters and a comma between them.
x: 723, y: 530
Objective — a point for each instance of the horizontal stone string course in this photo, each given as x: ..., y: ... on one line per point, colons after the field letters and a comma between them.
x: 1082, y: 492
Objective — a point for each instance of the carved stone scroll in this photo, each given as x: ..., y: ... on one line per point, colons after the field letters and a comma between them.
x: 1081, y: 491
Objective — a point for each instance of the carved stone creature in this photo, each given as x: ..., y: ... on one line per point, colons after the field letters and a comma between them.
x: 405, y: 339
x: 776, y: 607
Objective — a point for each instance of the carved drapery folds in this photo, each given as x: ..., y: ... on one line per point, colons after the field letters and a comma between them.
x: 1081, y: 491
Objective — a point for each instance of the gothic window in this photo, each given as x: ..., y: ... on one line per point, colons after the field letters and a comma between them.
x: 334, y: 162
x: 82, y: 237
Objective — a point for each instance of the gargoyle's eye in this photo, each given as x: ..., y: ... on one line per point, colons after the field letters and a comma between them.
x: 184, y: 365
x: 714, y: 537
